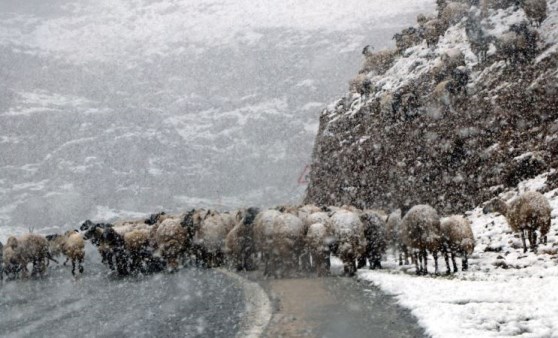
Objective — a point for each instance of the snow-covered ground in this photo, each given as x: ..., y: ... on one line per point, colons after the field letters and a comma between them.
x: 505, y: 292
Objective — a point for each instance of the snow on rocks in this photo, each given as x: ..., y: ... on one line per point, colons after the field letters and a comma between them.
x: 505, y: 292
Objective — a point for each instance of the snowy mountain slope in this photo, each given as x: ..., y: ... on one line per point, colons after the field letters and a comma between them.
x: 406, y: 140
x: 138, y: 106
x: 505, y: 292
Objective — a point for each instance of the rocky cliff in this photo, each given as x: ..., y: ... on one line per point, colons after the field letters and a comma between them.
x: 464, y: 106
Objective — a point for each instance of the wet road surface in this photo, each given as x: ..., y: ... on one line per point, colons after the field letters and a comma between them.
x: 189, y: 303
x: 335, y: 307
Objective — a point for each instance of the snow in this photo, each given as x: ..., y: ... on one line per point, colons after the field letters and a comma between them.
x: 504, y: 293
x: 109, y: 31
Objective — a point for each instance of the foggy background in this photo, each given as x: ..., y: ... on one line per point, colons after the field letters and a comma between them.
x: 117, y: 108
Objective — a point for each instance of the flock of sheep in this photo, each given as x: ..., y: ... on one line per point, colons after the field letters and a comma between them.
x: 449, y: 76
x: 283, y: 240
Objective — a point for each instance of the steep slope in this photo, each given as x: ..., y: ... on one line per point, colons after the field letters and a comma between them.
x: 441, y: 124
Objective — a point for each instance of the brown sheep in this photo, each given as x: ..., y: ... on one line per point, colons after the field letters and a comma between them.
x: 453, y: 13
x: 408, y: 38
x: 526, y: 213
x: 239, y: 243
x: 171, y: 242
x: 378, y: 62
x: 536, y: 11
x: 137, y: 244
x: 29, y: 248
x: 71, y: 245
x: 457, y: 239
x: 421, y: 232
x: 374, y: 228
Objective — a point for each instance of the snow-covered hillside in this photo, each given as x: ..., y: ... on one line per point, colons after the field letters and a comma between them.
x: 112, y: 108
x: 505, y: 292
x: 441, y: 123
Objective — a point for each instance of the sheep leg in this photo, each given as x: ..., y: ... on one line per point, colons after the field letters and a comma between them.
x: 453, y: 261
x: 66, y: 261
x: 446, y: 258
x: 523, y: 240
x: 425, y: 258
x: 73, y: 267
x: 435, y: 255
x: 533, y: 241
x: 361, y: 262
x: 400, y: 259
x: 418, y: 269
x: 81, y: 265
x: 464, y: 262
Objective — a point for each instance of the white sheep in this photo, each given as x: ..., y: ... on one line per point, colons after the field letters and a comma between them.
x: 263, y: 236
x: 526, y: 213
x: 393, y: 225
x: 457, y: 239
x: 210, y: 240
x: 287, y: 245
x: 348, y: 233
x: 421, y: 232
x: 318, y: 240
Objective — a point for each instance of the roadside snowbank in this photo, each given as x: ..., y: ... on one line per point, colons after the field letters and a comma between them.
x: 505, y: 293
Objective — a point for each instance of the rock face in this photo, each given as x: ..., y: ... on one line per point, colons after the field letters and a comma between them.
x: 440, y: 126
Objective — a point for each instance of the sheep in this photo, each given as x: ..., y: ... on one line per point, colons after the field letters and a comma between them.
x: 374, y: 228
x: 171, y: 242
x: 348, y: 233
x: 1, y: 262
x: 287, y: 244
x: 457, y: 238
x: 519, y: 44
x: 378, y: 62
x: 536, y: 11
x: 479, y: 41
x: 110, y: 244
x: 28, y: 248
x: 498, y: 4
x: 318, y: 240
x: 137, y: 245
x: 74, y: 249
x: 431, y: 31
x: 393, y: 230
x: 210, y: 240
x: 10, y: 264
x: 421, y: 232
x: 408, y: 38
x: 453, y: 12
x: 239, y: 243
x: 71, y: 245
x: 263, y: 236
x: 360, y: 84
x: 526, y: 213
